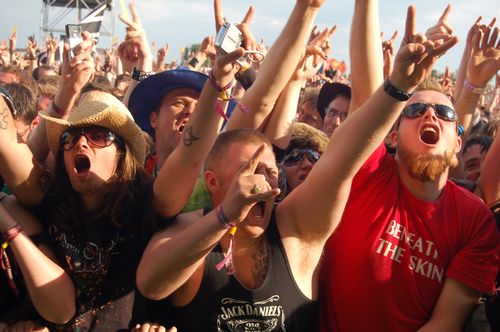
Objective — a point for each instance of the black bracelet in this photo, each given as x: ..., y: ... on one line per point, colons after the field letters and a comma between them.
x: 394, y: 92
x: 193, y: 62
x: 140, y: 75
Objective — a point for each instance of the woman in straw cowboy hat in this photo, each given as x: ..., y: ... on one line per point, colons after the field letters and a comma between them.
x: 94, y: 209
x: 98, y: 206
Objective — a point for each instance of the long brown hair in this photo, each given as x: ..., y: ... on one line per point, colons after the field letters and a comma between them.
x: 120, y: 191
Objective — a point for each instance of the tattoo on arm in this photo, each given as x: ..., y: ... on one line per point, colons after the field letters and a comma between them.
x: 189, y: 137
x: 3, y: 117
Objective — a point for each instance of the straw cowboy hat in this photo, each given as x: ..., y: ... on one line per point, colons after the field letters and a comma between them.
x: 102, y: 109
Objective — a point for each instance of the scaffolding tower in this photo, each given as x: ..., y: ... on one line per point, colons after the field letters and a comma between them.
x: 57, y: 13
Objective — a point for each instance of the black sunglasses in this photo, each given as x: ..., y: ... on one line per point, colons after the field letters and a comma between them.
x: 418, y: 109
x: 443, y: 112
x: 98, y: 137
x: 296, y: 156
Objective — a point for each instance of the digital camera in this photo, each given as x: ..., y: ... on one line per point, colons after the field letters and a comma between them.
x: 74, y: 37
x: 228, y: 38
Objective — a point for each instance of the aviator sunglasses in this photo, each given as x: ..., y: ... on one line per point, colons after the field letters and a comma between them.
x: 296, y: 156
x: 98, y: 137
x: 443, y: 112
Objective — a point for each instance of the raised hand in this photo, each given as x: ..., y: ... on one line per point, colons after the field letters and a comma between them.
x: 248, y: 42
x: 135, y: 48
x: 208, y: 47
x: 484, y: 60
x: 13, y: 41
x: 417, y: 55
x: 388, y: 52
x: 315, y: 55
x: 31, y: 47
x: 247, y: 189
x: 446, y: 81
x: 51, y: 45
x: 79, y: 70
x: 442, y: 30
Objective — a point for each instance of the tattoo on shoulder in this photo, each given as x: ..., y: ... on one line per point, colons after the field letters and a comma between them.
x: 261, y: 263
x: 3, y: 118
x: 189, y: 137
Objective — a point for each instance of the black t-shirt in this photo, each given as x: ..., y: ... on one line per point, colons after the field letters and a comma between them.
x: 101, y: 259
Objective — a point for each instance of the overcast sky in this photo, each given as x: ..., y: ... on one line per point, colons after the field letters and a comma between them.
x: 184, y: 22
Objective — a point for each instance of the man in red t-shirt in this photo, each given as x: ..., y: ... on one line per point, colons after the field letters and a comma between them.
x: 413, y: 251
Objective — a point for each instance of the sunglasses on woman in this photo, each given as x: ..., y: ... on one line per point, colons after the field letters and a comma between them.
x: 443, y: 112
x: 296, y: 156
x: 98, y: 137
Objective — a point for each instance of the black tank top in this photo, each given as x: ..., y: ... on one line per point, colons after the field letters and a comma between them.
x: 223, y: 304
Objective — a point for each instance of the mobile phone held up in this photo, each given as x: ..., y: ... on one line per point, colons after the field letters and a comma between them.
x: 73, y: 36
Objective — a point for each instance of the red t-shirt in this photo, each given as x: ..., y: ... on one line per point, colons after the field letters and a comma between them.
x: 385, y: 265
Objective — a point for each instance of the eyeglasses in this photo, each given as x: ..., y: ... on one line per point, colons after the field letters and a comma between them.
x: 334, y: 113
x: 97, y: 137
x: 296, y: 156
x: 443, y: 112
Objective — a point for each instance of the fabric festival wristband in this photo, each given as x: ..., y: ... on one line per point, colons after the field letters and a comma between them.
x: 222, y: 218
x: 58, y: 110
x: 216, y: 85
x: 10, y: 235
x: 473, y: 88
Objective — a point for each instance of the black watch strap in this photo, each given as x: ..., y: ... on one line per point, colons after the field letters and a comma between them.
x: 140, y: 75
x: 394, y: 92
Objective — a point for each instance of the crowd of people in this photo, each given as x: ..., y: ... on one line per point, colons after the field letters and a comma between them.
x: 252, y: 188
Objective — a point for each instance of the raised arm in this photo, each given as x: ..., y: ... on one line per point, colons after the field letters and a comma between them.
x: 464, y: 62
x: 134, y: 52
x: 278, y: 127
x: 321, y: 197
x: 50, y: 288
x: 18, y: 167
x: 76, y: 73
x: 174, y: 255
x: 178, y: 175
x: 365, y: 52
x: 489, y: 181
x: 483, y: 64
x: 277, y: 67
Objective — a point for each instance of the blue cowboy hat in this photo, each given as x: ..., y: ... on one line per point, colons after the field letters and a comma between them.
x: 148, y: 94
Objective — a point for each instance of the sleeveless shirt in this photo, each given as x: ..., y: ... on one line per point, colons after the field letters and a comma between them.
x: 224, y: 304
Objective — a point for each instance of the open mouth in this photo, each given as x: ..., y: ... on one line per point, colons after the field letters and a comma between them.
x: 258, y: 210
x: 82, y: 164
x: 429, y: 135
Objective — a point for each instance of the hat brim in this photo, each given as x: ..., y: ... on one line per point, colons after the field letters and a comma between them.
x: 149, y: 93
x: 110, y: 118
